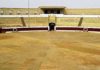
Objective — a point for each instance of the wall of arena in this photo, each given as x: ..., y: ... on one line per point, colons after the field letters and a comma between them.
x: 44, y: 21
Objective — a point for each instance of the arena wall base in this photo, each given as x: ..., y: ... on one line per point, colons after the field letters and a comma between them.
x: 17, y: 29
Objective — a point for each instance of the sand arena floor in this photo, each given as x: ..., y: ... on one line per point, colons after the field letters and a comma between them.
x: 50, y: 51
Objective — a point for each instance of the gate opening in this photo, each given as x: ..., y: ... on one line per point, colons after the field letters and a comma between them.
x: 52, y: 26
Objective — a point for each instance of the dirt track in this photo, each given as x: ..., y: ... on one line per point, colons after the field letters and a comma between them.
x: 50, y: 51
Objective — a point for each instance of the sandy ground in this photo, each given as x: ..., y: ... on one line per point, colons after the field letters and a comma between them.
x: 50, y: 51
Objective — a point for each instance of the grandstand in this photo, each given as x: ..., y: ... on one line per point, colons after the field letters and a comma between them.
x: 44, y: 20
x: 42, y: 16
x: 23, y: 21
x: 44, y: 9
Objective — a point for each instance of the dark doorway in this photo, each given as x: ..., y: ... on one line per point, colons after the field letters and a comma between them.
x: 46, y: 11
x: 52, y: 26
x: 52, y: 11
x: 58, y: 11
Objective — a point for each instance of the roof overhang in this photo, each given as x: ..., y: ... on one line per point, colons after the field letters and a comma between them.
x: 52, y: 7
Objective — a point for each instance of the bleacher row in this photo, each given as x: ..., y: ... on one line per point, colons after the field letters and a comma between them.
x: 43, y: 21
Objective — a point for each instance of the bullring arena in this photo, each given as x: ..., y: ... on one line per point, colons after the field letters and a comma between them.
x: 26, y: 42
